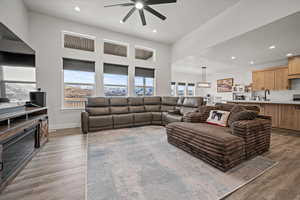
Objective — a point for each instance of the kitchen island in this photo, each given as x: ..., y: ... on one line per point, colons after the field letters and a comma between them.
x: 285, y: 114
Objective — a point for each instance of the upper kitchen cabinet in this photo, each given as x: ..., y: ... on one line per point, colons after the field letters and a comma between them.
x: 281, y: 79
x: 294, y: 66
x: 269, y: 79
x: 258, y: 78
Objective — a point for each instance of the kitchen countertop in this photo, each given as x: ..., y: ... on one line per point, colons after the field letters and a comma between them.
x: 266, y: 102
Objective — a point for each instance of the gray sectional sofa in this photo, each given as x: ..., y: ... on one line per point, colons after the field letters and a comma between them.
x: 103, y: 113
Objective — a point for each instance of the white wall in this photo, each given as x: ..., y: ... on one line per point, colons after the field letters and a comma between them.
x: 14, y: 15
x: 46, y: 38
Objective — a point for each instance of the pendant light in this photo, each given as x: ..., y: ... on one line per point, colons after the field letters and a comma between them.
x: 204, y: 83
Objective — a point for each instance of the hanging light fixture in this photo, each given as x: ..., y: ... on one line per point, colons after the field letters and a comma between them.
x: 204, y: 83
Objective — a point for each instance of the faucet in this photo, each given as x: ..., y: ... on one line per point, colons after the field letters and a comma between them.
x: 265, y: 97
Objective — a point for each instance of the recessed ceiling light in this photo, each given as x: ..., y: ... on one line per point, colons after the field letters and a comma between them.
x: 154, y: 31
x: 139, y: 5
x: 121, y: 21
x: 289, y: 54
x: 252, y: 62
x: 272, y: 47
x: 77, y: 9
x: 233, y: 57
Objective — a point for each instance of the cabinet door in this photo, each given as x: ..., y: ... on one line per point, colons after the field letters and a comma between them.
x: 258, y: 79
x: 281, y: 79
x: 294, y: 66
x: 289, y: 117
x: 269, y: 80
x: 273, y: 111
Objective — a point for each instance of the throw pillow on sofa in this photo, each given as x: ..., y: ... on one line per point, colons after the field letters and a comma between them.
x: 235, y: 110
x: 218, y: 117
x: 245, y: 115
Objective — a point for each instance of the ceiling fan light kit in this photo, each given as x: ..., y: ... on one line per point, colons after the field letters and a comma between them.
x: 142, y: 5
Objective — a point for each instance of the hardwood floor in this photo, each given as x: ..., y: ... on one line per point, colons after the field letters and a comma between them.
x: 58, y: 171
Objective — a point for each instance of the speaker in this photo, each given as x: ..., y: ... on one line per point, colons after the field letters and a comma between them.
x: 38, y: 98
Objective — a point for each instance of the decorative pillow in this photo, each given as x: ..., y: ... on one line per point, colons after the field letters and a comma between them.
x: 245, y: 115
x: 218, y: 117
x: 236, y: 109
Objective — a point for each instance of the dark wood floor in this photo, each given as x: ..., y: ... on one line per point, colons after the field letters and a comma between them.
x: 58, y: 171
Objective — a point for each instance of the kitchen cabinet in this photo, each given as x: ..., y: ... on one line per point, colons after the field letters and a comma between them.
x: 269, y: 79
x: 294, y: 66
x: 289, y: 117
x: 281, y: 79
x: 273, y: 111
x: 258, y: 78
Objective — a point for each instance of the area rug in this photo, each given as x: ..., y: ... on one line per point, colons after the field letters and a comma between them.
x: 139, y: 164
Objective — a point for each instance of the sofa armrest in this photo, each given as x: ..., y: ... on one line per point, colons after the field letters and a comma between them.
x: 199, y: 115
x: 85, y: 122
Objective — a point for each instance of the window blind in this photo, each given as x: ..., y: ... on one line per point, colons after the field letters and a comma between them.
x: 17, y: 59
x: 144, y: 72
x: 115, y: 49
x: 79, y: 43
x: 182, y: 84
x: 78, y: 65
x: 115, y: 69
x: 191, y: 84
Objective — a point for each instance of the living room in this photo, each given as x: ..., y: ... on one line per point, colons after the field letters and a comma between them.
x: 150, y: 99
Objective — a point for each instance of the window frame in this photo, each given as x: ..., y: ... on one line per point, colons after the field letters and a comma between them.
x: 3, y: 82
x: 63, y: 84
x: 144, y: 86
x: 91, y: 37
x: 184, y: 90
x: 187, y: 90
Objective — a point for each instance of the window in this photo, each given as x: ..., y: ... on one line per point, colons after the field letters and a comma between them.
x: 191, y: 89
x: 79, y: 42
x: 173, y: 89
x: 79, y: 82
x: 144, y: 54
x: 115, y: 80
x: 17, y: 82
x: 113, y: 48
x: 181, y: 89
x: 144, y: 81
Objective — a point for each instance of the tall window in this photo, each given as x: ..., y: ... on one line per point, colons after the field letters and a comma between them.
x: 144, y: 81
x: 115, y: 80
x: 181, y: 88
x: 17, y: 82
x: 173, y: 88
x: 191, y: 89
x: 79, y: 82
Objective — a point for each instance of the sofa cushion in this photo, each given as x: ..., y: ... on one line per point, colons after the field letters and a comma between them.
x: 218, y: 117
x: 193, y: 102
x: 136, y: 109
x: 94, y: 111
x: 123, y: 119
x: 135, y: 101
x: 152, y: 100
x: 118, y: 101
x: 180, y: 101
x: 100, y: 121
x: 156, y: 116
x: 172, y: 118
x: 185, y: 110
x: 152, y: 108
x: 97, y: 102
x: 244, y: 115
x: 119, y: 109
x: 236, y: 109
x: 165, y: 108
x: 172, y: 101
x: 142, y: 117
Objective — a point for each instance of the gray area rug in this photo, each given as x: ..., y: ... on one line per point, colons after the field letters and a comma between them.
x: 139, y: 164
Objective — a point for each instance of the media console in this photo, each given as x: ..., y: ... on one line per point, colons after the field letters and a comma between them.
x: 23, y: 130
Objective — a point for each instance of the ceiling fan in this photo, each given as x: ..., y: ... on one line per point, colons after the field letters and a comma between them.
x: 142, y: 5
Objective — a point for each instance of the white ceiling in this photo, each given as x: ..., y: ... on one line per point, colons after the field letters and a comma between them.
x: 182, y: 17
x: 252, y: 46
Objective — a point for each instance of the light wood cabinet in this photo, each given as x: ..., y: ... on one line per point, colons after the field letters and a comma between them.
x: 281, y: 79
x: 294, y: 66
x: 275, y: 78
x: 258, y: 79
x: 289, y: 117
x: 269, y: 79
x: 273, y: 111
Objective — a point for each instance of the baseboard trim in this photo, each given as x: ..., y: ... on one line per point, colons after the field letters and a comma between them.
x: 63, y: 126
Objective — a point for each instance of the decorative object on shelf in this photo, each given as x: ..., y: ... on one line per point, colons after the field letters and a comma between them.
x: 142, y: 5
x: 225, y: 85
x: 204, y: 83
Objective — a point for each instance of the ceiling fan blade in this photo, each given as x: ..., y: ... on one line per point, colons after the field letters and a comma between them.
x: 154, y: 12
x: 152, y: 2
x: 142, y: 15
x: 121, y: 4
x: 129, y: 14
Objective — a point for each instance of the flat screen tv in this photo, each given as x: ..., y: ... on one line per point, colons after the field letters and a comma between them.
x: 17, y: 67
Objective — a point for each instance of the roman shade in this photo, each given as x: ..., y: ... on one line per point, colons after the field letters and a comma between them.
x: 144, y: 72
x: 79, y: 42
x: 115, y: 69
x: 78, y: 65
x: 191, y: 84
x: 115, y: 49
x: 181, y: 84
